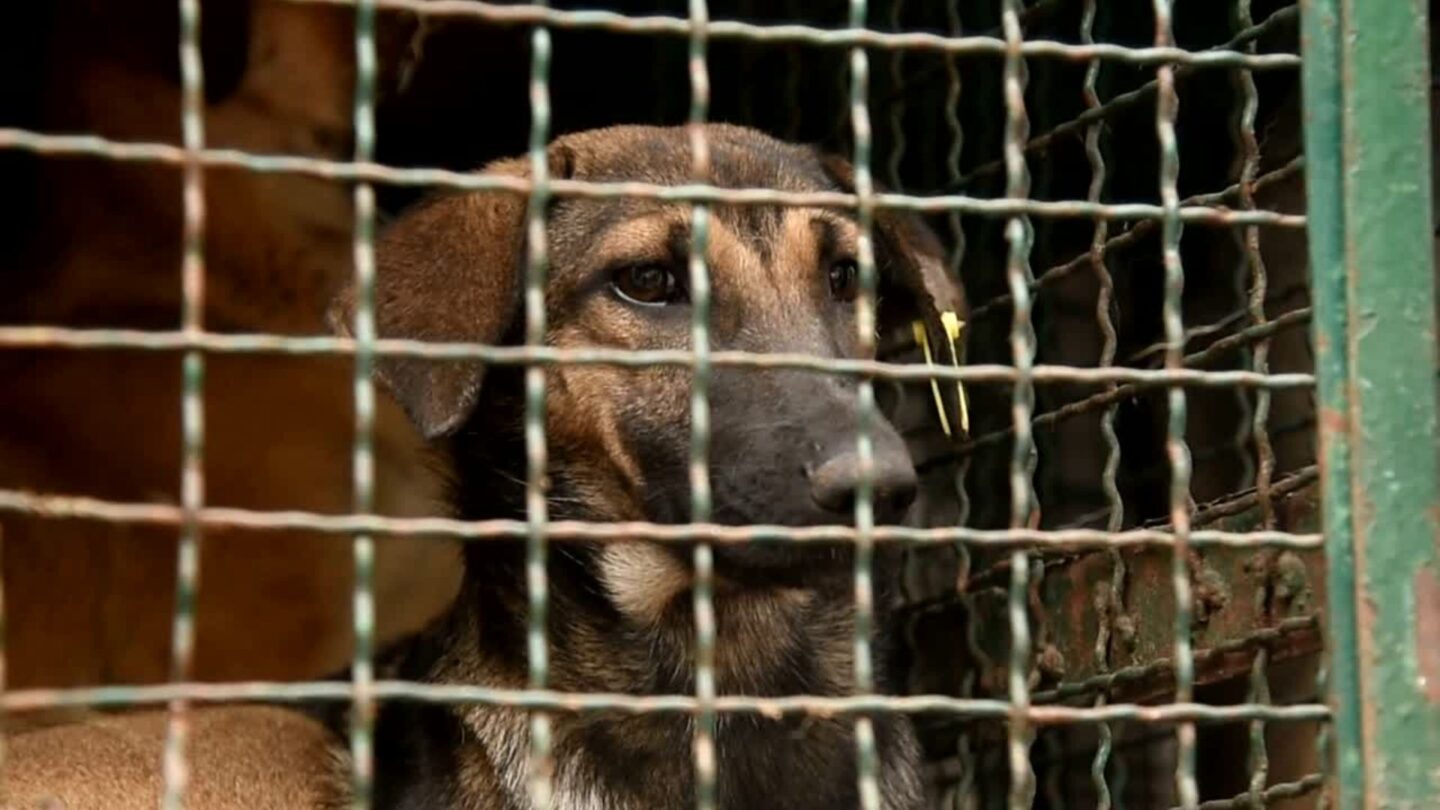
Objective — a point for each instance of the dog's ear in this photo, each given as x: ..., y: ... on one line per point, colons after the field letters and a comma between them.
x: 448, y: 271
x: 911, y: 261
x: 915, y: 286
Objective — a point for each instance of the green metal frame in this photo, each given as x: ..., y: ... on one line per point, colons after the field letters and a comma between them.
x: 1367, y: 136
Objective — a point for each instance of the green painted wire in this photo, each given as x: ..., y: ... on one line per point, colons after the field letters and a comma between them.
x: 1123, y: 101
x: 1022, y: 346
x: 574, y: 702
x: 1253, y: 267
x: 867, y: 764
x: 1103, y: 303
x: 365, y: 349
x: 706, y: 721
x: 363, y: 458
x: 66, y: 338
x: 537, y: 266
x: 192, y: 405
x: 850, y: 38
x: 1255, y: 263
x: 53, y: 506
x: 1245, y: 281
x: 1178, y: 454
x: 1206, y: 209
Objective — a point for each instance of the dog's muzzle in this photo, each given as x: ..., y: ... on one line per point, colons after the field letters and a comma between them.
x: 834, y: 484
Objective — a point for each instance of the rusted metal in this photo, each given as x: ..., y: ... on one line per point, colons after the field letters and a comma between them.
x: 1271, y: 609
x: 1368, y: 136
x: 1272, y: 602
x: 1427, y: 632
x: 1271, y: 795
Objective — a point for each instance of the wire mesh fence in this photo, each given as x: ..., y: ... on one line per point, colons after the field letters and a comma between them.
x: 1113, y: 579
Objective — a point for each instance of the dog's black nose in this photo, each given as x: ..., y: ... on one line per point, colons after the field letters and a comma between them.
x: 834, y: 482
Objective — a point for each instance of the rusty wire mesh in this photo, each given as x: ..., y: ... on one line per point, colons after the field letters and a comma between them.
x: 1009, y: 540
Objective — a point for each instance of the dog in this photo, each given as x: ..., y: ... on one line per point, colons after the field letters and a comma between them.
x: 89, y: 603
x: 783, y: 451
x: 620, y: 618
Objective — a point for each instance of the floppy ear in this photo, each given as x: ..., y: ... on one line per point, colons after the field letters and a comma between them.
x: 915, y: 286
x: 449, y: 270
x: 910, y: 259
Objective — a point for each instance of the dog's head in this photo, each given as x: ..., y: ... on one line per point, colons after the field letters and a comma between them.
x: 782, y: 280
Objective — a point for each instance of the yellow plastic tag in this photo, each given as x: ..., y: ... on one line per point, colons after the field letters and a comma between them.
x: 922, y: 336
x: 953, y: 326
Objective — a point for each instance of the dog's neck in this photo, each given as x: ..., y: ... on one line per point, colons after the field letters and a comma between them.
x: 621, y: 615
x: 773, y: 640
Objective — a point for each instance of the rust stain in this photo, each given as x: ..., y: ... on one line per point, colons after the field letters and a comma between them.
x: 1332, y: 420
x: 1211, y: 594
x: 1427, y: 632
x: 1361, y: 519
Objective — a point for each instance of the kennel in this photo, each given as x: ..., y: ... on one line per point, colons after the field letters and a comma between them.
x: 1139, y: 580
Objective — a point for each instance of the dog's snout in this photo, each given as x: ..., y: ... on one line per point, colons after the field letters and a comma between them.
x: 835, y: 482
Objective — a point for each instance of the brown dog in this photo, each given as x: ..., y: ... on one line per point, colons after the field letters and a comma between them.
x: 89, y: 603
x: 783, y: 452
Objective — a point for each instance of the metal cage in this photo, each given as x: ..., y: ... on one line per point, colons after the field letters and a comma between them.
x: 1140, y: 581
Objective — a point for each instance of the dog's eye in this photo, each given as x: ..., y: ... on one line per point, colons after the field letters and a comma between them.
x: 648, y: 285
x: 844, y: 280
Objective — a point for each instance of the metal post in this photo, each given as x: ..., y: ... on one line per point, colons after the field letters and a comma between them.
x: 1368, y: 142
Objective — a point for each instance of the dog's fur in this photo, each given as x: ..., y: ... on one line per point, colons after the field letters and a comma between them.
x: 238, y: 758
x: 620, y: 617
x: 620, y: 614
x: 89, y: 603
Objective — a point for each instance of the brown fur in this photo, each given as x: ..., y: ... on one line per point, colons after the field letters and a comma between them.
x: 248, y: 758
x: 618, y: 438
x: 90, y: 603
x: 620, y: 615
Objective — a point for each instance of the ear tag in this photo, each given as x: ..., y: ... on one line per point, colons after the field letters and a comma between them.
x: 923, y: 338
x: 953, y: 325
